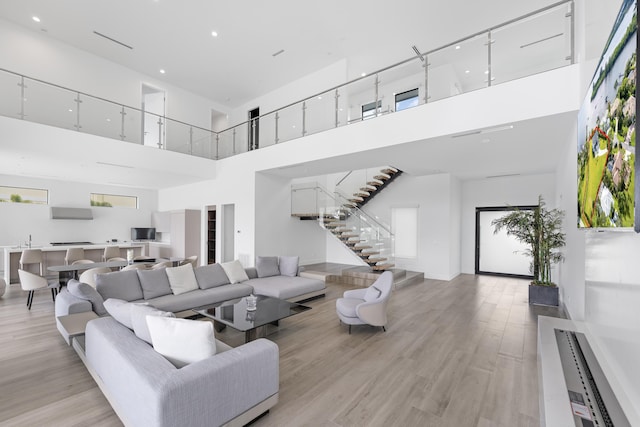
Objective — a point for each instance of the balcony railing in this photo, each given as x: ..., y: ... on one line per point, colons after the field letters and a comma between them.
x: 539, y: 41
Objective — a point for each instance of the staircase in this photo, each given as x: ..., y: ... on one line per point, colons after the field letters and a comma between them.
x: 342, y: 216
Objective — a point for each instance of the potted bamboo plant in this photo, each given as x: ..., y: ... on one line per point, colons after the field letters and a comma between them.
x: 541, y: 230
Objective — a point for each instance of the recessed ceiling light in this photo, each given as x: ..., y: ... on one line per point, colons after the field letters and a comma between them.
x: 486, y: 71
x: 214, y: 33
x: 457, y: 47
x: 467, y: 71
x: 70, y: 110
x: 35, y: 18
x: 108, y: 120
x: 162, y: 71
x: 363, y: 74
x: 319, y: 97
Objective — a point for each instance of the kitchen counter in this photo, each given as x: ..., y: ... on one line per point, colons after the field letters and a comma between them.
x: 54, y: 255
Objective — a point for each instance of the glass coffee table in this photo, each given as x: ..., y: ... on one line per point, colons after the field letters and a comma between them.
x: 234, y: 313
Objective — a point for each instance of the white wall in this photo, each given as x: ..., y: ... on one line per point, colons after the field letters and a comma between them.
x: 25, y: 52
x: 20, y: 220
x: 277, y: 232
x: 513, y: 190
x: 317, y: 82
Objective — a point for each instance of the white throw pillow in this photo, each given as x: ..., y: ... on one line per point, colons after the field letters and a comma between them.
x: 182, y: 341
x: 235, y: 272
x: 182, y: 279
x: 139, y: 313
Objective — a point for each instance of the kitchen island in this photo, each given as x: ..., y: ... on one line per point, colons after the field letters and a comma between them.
x: 54, y: 255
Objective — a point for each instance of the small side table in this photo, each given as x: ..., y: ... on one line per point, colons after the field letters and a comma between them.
x: 75, y: 324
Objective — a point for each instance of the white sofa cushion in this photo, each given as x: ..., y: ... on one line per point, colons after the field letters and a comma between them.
x: 182, y: 341
x: 182, y: 279
x: 139, y: 313
x: 235, y: 272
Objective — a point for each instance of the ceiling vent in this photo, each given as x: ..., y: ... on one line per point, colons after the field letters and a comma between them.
x: 71, y: 213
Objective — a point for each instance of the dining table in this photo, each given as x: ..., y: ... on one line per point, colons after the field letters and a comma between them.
x: 75, y: 268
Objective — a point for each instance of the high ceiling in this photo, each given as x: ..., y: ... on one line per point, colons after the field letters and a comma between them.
x: 239, y: 64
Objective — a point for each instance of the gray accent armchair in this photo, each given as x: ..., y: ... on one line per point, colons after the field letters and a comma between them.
x: 366, y: 306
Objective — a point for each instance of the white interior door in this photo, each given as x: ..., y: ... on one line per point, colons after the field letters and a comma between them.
x: 499, y: 253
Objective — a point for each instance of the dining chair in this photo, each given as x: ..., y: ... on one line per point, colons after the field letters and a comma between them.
x: 32, y: 282
x: 193, y: 260
x: 73, y: 254
x: 89, y: 276
x: 111, y: 252
x: 162, y: 264
x: 135, y: 266
x: 31, y: 256
x: 83, y: 261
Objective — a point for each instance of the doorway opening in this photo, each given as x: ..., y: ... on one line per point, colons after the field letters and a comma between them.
x: 153, y: 113
x: 254, y: 129
x: 499, y: 254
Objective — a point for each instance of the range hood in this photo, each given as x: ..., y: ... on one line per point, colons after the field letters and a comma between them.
x: 71, y: 213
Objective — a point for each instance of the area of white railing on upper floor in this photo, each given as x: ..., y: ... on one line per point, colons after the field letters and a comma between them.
x: 539, y: 41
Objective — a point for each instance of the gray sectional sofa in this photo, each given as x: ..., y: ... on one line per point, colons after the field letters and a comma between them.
x: 230, y: 388
x: 213, y: 286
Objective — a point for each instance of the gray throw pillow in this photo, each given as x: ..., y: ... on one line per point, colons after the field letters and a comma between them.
x: 123, y: 285
x: 87, y: 292
x: 154, y: 283
x: 210, y: 276
x: 288, y: 265
x: 139, y: 313
x: 267, y: 266
x: 120, y: 310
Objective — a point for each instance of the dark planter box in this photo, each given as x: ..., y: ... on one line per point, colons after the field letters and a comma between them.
x: 543, y: 295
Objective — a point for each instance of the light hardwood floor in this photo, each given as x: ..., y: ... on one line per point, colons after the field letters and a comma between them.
x: 456, y: 353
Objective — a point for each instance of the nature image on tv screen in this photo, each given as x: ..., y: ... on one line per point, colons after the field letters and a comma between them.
x: 607, y: 131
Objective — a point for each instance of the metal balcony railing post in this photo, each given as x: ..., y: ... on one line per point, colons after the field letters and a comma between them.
x: 217, y: 146
x: 573, y: 31
x: 122, y: 114
x: 78, y: 101
x: 337, y: 107
x: 375, y: 102
x: 159, y: 132
x: 277, y: 118
x: 304, y: 118
x: 489, y: 43
x: 191, y: 140
x: 22, y: 98
x: 425, y: 64
x: 234, y: 140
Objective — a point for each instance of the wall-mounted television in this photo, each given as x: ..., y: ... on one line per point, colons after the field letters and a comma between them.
x: 607, y: 169
x: 141, y: 233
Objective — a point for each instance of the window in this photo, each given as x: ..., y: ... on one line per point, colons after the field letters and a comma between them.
x: 407, y: 99
x: 114, y: 200
x: 404, y: 223
x: 369, y: 110
x: 24, y: 195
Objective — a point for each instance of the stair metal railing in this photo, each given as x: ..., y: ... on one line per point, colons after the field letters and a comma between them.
x: 366, y: 236
x: 538, y: 41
